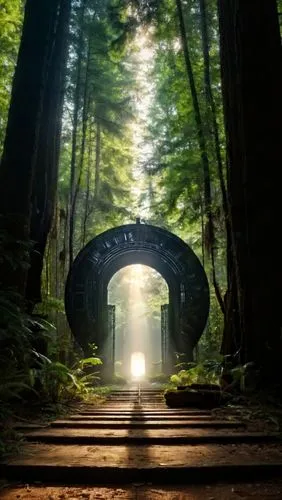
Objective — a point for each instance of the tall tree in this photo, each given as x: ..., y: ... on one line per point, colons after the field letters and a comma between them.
x: 100, y: 106
x: 251, y: 78
x: 76, y: 109
x: 22, y: 136
x: 210, y: 234
x: 47, y: 160
x: 212, y: 104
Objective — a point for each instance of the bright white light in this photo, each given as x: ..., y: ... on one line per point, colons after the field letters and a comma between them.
x: 137, y: 364
x: 137, y: 273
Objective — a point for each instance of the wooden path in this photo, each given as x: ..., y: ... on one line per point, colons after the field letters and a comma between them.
x: 135, y: 437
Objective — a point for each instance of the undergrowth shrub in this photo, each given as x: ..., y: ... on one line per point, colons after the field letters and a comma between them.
x: 26, y: 372
x: 207, y: 372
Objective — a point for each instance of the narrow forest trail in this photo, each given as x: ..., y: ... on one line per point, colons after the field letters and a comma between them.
x: 134, y: 438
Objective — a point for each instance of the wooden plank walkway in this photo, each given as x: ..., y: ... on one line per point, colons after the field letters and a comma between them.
x: 135, y: 437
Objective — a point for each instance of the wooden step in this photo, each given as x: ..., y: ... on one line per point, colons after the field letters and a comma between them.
x: 157, y: 464
x: 148, y: 437
x: 148, y: 424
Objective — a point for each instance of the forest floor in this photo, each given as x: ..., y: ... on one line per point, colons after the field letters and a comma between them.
x: 237, y: 491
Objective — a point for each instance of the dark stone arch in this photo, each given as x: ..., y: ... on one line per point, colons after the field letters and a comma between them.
x: 107, y: 253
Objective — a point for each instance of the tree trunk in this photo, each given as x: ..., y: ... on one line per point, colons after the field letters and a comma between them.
x: 97, y: 162
x: 46, y: 168
x: 212, y: 106
x: 202, y: 147
x: 85, y: 109
x: 252, y: 82
x: 75, y: 130
x: 21, y: 141
x: 88, y: 181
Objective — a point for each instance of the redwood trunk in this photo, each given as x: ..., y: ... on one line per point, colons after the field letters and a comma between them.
x: 251, y: 78
x: 46, y: 168
x: 21, y: 141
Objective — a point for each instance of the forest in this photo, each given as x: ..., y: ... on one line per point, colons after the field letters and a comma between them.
x: 163, y: 110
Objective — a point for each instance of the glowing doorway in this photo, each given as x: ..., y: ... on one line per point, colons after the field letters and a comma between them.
x: 138, y: 367
x: 138, y: 292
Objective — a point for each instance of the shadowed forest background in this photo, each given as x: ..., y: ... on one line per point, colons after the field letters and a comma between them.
x: 167, y: 110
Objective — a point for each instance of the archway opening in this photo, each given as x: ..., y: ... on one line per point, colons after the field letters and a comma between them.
x: 137, y: 298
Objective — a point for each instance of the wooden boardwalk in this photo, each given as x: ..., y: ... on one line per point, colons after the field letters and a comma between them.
x: 135, y: 437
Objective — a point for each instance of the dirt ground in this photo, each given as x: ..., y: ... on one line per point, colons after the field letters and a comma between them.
x: 255, y: 491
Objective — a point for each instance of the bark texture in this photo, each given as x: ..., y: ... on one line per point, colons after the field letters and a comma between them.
x: 47, y: 159
x: 251, y: 79
x: 22, y: 139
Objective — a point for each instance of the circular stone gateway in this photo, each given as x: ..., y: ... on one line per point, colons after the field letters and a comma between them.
x: 107, y: 253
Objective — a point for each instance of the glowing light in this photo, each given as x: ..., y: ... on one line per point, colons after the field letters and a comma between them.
x: 137, y: 364
x: 137, y: 273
